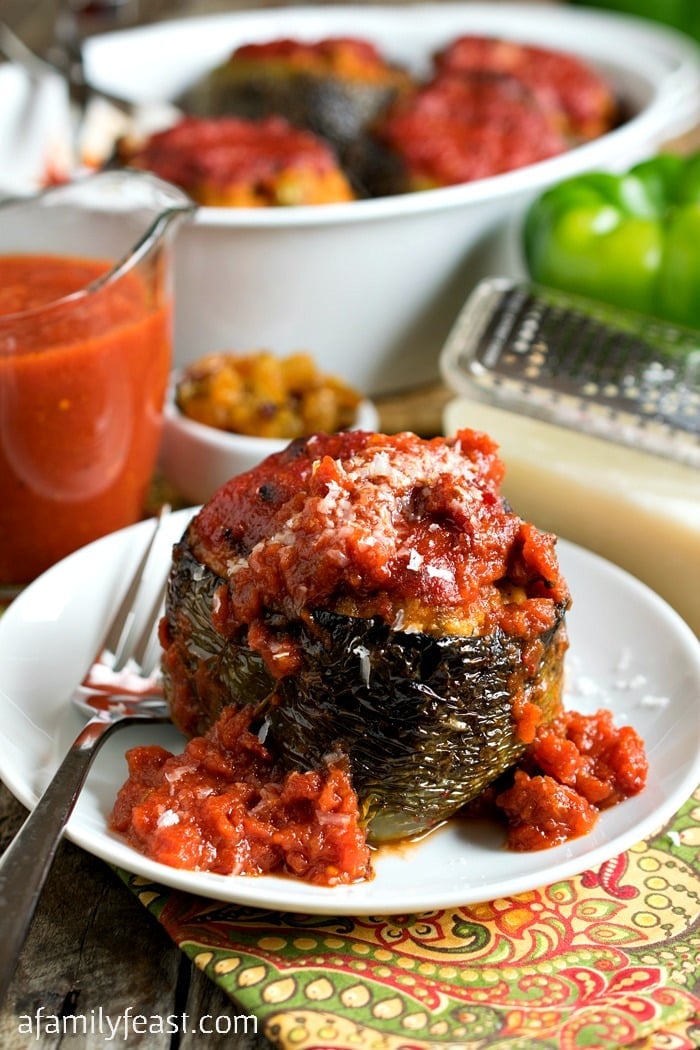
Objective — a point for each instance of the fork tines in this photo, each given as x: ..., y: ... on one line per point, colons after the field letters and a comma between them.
x: 124, y: 642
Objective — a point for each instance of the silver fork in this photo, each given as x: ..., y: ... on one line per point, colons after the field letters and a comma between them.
x: 129, y: 658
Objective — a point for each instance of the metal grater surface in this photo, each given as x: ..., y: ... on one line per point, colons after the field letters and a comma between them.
x: 582, y: 365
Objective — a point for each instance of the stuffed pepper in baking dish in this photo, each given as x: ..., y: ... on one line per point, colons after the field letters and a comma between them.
x: 230, y: 162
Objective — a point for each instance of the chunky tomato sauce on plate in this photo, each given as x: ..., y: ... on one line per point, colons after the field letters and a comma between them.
x: 225, y: 806
x: 576, y: 765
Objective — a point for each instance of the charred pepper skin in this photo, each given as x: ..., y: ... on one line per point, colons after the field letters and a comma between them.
x: 425, y: 722
x: 631, y: 240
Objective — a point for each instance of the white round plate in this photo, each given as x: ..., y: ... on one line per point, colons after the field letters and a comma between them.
x: 630, y: 652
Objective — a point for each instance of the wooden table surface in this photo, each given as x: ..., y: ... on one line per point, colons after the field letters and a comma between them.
x: 92, y: 947
x: 93, y: 950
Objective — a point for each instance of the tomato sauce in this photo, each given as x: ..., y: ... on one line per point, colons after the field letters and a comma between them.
x: 82, y: 383
x: 576, y: 766
x: 232, y: 162
x: 304, y: 52
x: 372, y: 525
x: 457, y: 130
x: 345, y: 57
x: 569, y: 90
x: 224, y: 806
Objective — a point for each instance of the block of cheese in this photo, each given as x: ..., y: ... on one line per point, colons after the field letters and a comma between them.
x: 633, y: 508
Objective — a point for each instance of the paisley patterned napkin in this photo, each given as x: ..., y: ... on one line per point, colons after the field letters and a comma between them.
x: 607, y: 960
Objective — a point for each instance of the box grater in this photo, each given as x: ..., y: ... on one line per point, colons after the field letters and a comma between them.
x: 580, y: 364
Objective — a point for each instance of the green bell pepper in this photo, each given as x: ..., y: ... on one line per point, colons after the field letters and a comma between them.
x: 632, y: 240
x: 681, y: 14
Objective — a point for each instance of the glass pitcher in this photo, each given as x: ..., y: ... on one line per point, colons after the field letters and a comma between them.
x: 85, y: 352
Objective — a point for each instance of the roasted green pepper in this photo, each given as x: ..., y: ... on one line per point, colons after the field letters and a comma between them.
x: 632, y: 240
x: 429, y: 732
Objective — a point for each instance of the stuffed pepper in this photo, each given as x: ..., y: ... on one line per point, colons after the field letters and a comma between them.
x: 373, y: 598
x: 361, y: 637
